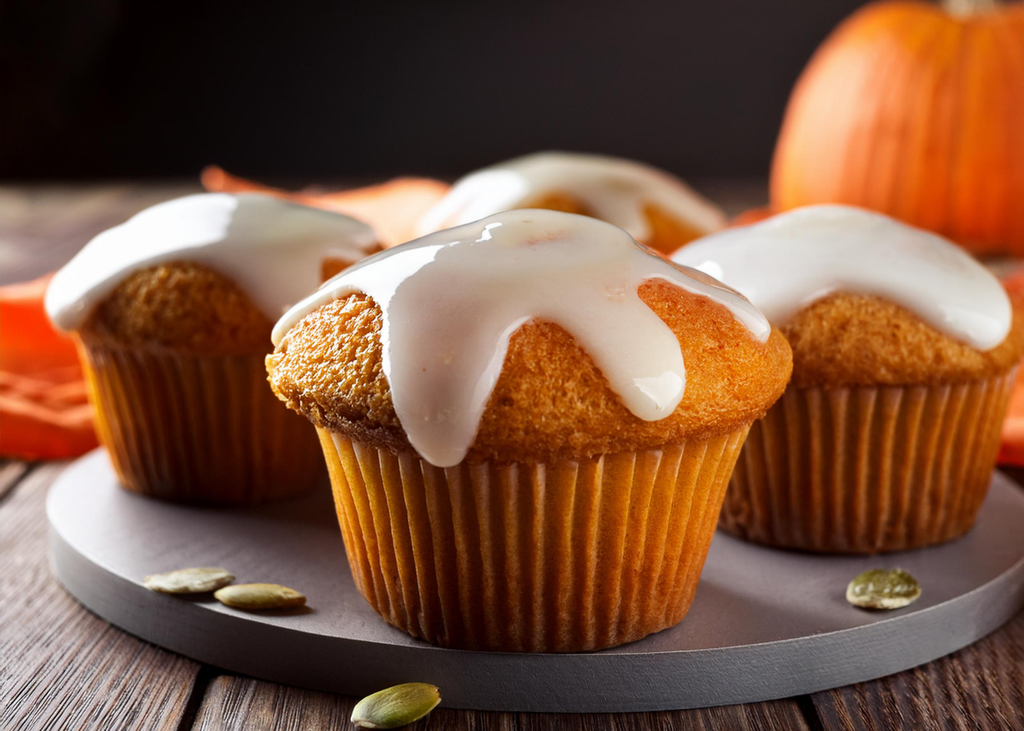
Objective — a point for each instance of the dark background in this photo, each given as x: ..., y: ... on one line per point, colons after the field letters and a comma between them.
x: 300, y: 90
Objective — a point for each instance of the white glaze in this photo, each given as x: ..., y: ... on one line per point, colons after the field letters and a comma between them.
x: 787, y: 262
x: 614, y: 190
x: 451, y: 301
x: 269, y: 247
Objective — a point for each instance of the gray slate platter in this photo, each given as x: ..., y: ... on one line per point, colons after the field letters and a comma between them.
x: 765, y: 623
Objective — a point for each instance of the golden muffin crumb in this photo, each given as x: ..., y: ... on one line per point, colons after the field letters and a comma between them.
x: 667, y: 233
x: 560, y: 202
x: 182, y: 306
x: 333, y: 265
x: 859, y: 340
x: 551, y: 401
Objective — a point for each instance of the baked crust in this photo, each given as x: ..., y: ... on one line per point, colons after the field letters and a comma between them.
x: 183, y: 306
x: 668, y: 233
x: 191, y: 308
x: 860, y: 340
x: 333, y: 265
x: 551, y: 401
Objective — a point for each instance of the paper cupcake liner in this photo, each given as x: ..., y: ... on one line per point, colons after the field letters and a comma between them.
x: 560, y: 557
x: 866, y: 470
x: 198, y: 428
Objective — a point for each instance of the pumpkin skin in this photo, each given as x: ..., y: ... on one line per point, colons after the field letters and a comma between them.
x: 916, y: 112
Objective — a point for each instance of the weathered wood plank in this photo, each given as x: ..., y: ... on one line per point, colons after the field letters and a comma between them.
x: 11, y: 473
x: 979, y: 687
x: 42, y: 226
x: 63, y: 667
x: 243, y: 704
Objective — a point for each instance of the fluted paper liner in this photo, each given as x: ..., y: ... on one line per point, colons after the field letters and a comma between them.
x: 197, y: 428
x: 868, y: 469
x: 561, y: 557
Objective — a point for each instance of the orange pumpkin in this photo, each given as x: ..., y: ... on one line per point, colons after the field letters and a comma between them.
x: 916, y: 110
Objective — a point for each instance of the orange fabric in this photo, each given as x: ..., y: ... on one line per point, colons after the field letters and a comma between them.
x: 392, y: 208
x: 44, y: 412
x: 27, y: 341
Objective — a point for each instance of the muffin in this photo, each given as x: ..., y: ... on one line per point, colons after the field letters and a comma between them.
x: 653, y: 206
x: 172, y: 312
x: 529, y: 422
x: 904, y: 353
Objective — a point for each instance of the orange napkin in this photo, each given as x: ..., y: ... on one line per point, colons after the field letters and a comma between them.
x: 392, y: 208
x: 44, y: 412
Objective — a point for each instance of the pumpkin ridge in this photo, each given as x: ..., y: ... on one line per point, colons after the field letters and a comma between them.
x: 954, y: 84
x: 1012, y: 57
x: 903, y: 79
x: 918, y: 113
x: 913, y: 204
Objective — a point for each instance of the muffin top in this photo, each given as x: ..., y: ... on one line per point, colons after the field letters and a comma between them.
x: 650, y: 204
x: 203, y: 267
x: 866, y: 300
x: 530, y: 335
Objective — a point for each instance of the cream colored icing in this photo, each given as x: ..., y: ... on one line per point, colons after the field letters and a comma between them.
x: 451, y: 301
x: 787, y: 262
x: 614, y: 190
x: 269, y: 247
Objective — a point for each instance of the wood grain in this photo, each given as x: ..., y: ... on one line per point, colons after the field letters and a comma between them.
x: 243, y: 704
x: 979, y: 687
x: 11, y: 474
x: 64, y: 668
x: 42, y: 226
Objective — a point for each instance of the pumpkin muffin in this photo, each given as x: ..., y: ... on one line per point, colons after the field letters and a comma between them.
x: 904, y: 354
x: 172, y: 312
x: 653, y: 206
x: 520, y: 461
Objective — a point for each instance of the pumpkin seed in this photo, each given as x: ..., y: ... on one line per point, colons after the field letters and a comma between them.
x: 189, y: 581
x: 883, y: 589
x: 396, y: 706
x: 259, y: 596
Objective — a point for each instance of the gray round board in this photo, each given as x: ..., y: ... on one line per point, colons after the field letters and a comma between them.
x: 765, y: 623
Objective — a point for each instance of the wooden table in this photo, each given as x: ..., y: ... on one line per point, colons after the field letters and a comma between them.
x: 64, y: 668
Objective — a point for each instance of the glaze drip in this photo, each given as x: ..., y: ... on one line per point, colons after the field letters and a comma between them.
x: 452, y: 300
x: 614, y: 190
x: 270, y: 248
x: 787, y: 262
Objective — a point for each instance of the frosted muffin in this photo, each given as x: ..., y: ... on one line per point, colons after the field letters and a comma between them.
x: 904, y: 353
x: 653, y: 206
x: 529, y: 423
x: 172, y: 312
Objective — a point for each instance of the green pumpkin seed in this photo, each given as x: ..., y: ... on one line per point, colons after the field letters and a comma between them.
x: 396, y: 706
x: 189, y: 581
x: 259, y: 596
x: 883, y: 589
